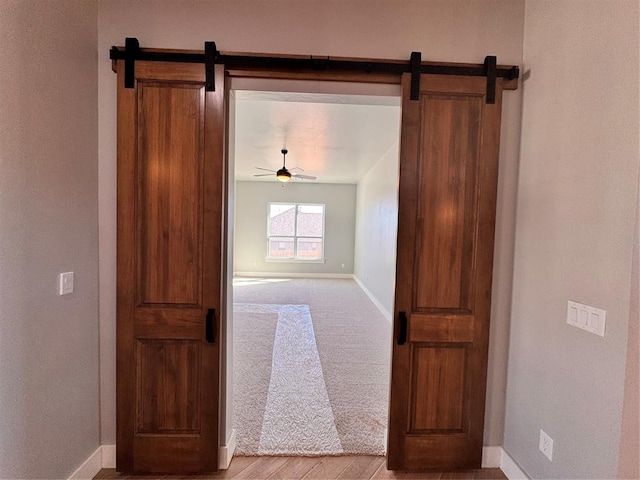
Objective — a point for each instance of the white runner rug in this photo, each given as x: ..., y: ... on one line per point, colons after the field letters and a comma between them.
x: 335, y: 345
x: 298, y: 418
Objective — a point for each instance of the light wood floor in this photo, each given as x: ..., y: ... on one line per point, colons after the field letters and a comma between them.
x: 319, y: 468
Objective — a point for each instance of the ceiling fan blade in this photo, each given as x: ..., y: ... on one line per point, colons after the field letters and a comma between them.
x: 266, y: 169
x: 296, y: 168
x: 303, y: 177
x: 264, y: 175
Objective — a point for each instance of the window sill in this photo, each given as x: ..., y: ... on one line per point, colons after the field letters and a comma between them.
x: 292, y: 260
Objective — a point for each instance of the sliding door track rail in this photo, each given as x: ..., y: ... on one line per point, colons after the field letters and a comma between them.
x: 132, y: 52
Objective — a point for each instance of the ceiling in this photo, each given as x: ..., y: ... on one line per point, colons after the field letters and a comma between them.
x: 336, y: 138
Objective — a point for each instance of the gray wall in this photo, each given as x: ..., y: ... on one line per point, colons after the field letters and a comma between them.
x: 629, y: 460
x: 49, y: 383
x: 252, y: 199
x: 377, y: 227
x: 574, y: 231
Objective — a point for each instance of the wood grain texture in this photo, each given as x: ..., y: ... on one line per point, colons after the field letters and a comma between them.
x: 262, y: 468
x: 297, y: 468
x: 329, y: 467
x: 125, y: 278
x: 400, y: 364
x: 169, y: 172
x: 169, y: 72
x: 448, y: 172
x: 170, y: 203
x: 442, y: 328
x: 315, y: 75
x: 362, y: 467
x: 437, y: 389
x: 168, y: 386
x: 447, y: 166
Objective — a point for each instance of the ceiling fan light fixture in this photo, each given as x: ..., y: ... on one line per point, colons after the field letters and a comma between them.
x: 283, y: 175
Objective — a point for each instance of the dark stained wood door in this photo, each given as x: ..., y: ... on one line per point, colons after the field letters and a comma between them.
x: 448, y: 176
x: 170, y: 204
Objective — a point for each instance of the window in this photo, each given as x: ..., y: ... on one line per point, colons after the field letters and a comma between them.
x: 295, y: 232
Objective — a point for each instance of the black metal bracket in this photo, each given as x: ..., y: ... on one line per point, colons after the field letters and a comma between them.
x: 210, y: 57
x: 416, y: 63
x: 490, y: 64
x: 131, y: 52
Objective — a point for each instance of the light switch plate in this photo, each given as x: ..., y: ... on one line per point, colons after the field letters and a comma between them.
x: 586, y: 318
x: 65, y: 283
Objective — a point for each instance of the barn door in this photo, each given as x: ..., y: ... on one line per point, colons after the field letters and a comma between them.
x: 170, y: 200
x: 448, y: 173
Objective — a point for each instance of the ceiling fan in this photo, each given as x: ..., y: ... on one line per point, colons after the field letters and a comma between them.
x: 283, y: 174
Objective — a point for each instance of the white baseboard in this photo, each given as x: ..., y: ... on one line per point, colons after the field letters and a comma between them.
x: 491, y: 457
x: 90, y: 467
x: 510, y: 468
x: 373, y: 299
x: 291, y: 275
x: 96, y: 461
x: 108, y: 456
x: 103, y: 457
x: 226, y: 451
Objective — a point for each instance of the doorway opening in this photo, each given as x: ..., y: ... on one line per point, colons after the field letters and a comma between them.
x: 313, y: 265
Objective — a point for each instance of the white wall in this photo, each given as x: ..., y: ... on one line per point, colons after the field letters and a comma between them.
x: 251, y: 212
x: 444, y: 30
x: 574, y: 235
x: 49, y: 382
x: 377, y: 227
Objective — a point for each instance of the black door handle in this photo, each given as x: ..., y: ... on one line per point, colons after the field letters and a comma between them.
x: 402, y: 335
x: 210, y: 332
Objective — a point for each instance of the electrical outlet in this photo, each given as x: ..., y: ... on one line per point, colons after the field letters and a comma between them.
x: 546, y: 445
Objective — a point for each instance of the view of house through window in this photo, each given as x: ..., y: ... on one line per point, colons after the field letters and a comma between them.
x: 295, y: 232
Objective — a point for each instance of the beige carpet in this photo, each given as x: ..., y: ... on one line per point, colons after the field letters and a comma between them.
x: 311, y: 368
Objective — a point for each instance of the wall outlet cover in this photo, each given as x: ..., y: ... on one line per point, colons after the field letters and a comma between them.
x: 546, y: 445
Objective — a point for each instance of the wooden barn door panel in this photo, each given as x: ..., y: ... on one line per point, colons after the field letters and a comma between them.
x: 448, y: 177
x: 170, y: 203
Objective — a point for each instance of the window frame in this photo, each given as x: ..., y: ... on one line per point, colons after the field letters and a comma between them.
x: 295, y: 236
